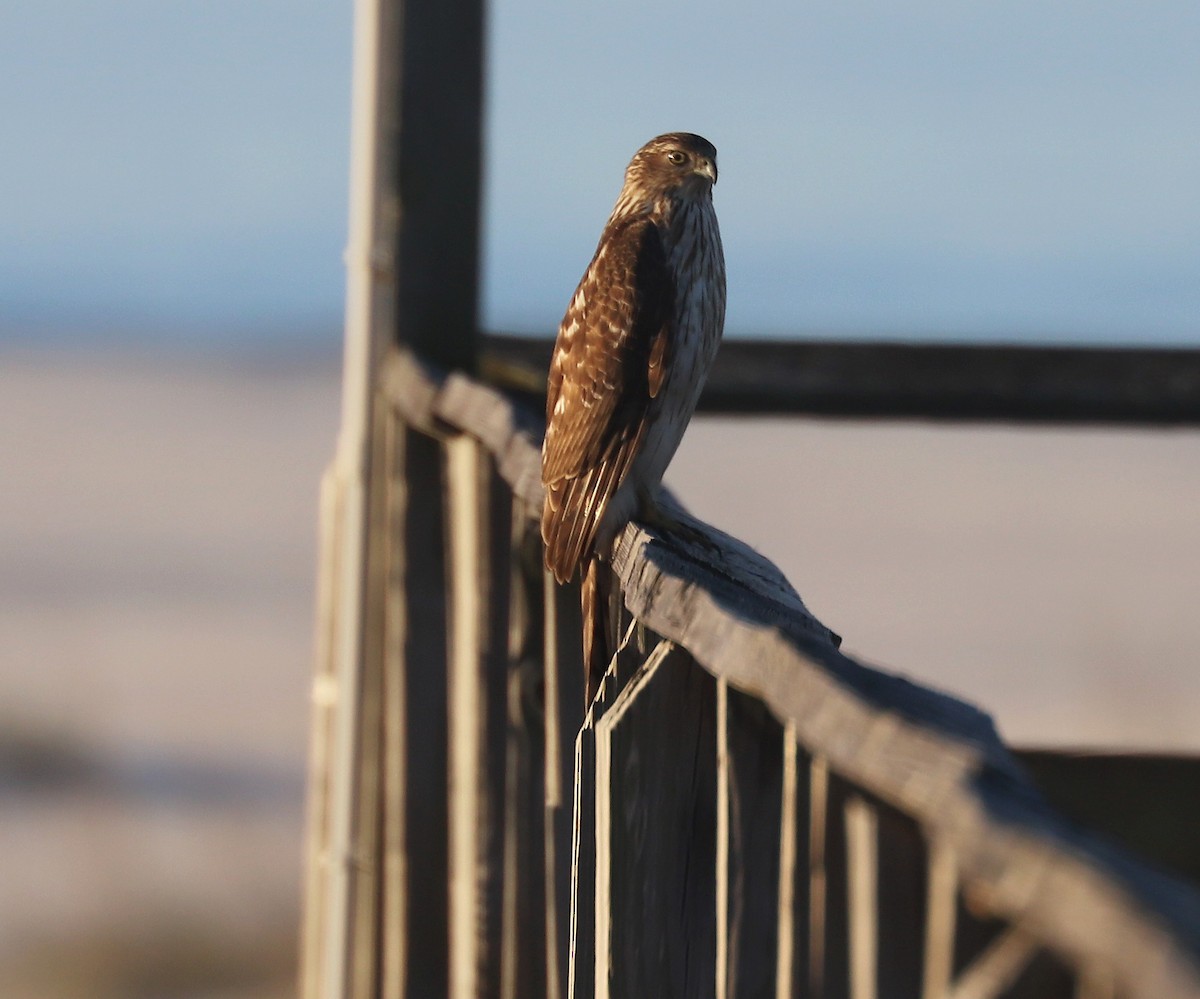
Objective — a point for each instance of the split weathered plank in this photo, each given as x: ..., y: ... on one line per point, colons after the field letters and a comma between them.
x: 656, y: 840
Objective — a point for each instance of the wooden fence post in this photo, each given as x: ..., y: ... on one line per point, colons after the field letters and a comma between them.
x: 411, y: 278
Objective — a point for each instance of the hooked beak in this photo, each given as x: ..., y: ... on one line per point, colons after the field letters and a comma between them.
x: 707, y: 168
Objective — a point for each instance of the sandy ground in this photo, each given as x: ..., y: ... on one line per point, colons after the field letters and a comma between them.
x: 1050, y: 576
x: 157, y: 556
x: 157, y: 539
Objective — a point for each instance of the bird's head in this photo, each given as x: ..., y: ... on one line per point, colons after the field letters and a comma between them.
x: 676, y: 166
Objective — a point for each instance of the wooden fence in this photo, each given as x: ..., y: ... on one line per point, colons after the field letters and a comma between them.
x: 744, y: 811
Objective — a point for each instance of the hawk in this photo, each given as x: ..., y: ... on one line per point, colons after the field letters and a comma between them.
x: 632, y: 354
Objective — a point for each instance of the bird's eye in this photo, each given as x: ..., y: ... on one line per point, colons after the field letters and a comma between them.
x: 676, y: 157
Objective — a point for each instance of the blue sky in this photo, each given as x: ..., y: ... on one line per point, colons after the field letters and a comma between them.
x: 1018, y: 170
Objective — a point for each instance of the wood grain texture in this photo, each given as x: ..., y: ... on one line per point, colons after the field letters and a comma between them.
x: 659, y: 741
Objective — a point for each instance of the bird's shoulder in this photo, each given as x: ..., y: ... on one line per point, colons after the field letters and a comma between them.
x: 608, y: 358
x: 624, y: 298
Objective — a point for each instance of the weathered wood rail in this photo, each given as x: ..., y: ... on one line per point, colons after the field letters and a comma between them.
x: 744, y: 811
x: 1156, y: 386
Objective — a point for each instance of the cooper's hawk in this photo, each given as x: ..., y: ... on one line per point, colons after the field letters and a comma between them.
x: 632, y: 355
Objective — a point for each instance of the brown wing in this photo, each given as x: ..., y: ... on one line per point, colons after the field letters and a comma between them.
x: 609, y: 361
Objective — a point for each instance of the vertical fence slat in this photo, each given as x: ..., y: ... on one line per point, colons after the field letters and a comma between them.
x: 602, y: 888
x: 393, y: 934
x: 500, y: 673
x: 524, y: 914
x: 340, y: 794
x: 426, y: 827
x: 368, y: 879
x: 479, y: 548
x: 753, y: 760
x: 523, y: 963
x: 818, y: 876
x: 582, y: 950
x: 862, y: 895
x: 324, y: 697
x: 940, y: 907
x: 798, y: 933
x: 563, y: 700
x: 902, y: 902
x: 592, y: 905
x: 330, y: 925
x: 787, y: 904
x: 467, y: 719
x: 662, y: 742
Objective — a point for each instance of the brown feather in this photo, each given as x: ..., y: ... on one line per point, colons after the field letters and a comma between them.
x: 608, y: 364
x: 658, y: 369
x: 595, y: 661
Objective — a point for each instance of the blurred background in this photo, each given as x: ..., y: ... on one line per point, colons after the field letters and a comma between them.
x: 170, y: 296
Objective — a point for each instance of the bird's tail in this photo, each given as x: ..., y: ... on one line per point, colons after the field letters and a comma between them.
x: 593, y: 601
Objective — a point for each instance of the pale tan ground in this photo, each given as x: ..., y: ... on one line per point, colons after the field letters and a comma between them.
x: 157, y: 539
x: 1051, y: 576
